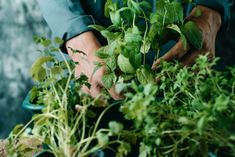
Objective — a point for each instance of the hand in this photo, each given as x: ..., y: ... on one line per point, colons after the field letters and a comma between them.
x: 209, y: 23
x: 88, y: 44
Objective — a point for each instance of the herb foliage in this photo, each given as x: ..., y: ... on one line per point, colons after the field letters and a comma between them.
x: 188, y: 111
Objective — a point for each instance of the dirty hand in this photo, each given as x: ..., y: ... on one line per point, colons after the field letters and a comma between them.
x: 209, y: 23
x: 87, y: 43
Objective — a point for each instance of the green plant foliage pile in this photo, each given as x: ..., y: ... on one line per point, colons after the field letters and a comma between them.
x: 175, y: 111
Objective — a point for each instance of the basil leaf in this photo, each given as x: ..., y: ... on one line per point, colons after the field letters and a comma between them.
x: 193, y: 34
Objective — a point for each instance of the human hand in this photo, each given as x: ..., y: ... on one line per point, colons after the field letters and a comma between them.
x: 88, y: 44
x: 209, y: 23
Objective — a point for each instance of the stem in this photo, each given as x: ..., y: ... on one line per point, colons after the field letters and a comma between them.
x: 97, y: 124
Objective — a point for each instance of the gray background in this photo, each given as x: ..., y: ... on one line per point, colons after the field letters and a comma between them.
x: 20, y: 20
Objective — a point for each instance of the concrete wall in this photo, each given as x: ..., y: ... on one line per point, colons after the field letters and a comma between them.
x: 20, y: 20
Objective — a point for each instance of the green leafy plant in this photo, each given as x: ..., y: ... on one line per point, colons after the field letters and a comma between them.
x: 188, y: 111
x: 68, y: 124
x: 136, y: 29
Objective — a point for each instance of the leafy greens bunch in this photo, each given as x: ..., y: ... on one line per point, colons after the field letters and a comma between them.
x: 136, y: 30
x: 190, y: 112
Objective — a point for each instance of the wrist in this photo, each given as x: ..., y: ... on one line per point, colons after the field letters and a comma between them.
x: 210, y: 16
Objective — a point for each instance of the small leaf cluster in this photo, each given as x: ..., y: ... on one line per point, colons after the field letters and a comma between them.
x: 190, y: 112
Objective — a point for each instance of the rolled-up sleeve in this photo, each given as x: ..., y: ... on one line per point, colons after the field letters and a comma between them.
x: 66, y: 18
x: 222, y: 6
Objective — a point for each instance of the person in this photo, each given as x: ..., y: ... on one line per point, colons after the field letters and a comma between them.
x: 69, y: 19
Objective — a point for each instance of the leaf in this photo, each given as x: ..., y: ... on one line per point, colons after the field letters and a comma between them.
x: 125, y: 65
x: 145, y: 75
x: 97, y: 27
x: 102, y: 138
x: 168, y: 13
x: 145, y: 4
x: 107, y: 7
x: 115, y: 18
x: 136, y: 60
x: 56, y: 71
x: 123, y: 149
x: 110, y: 36
x: 101, y: 53
x: 198, y: 12
x: 134, y: 6
x: 17, y: 129
x: 46, y: 43
x: 222, y: 102
x: 201, y: 125
x: 193, y: 34
x: 108, y: 80
x: 58, y: 40
x: 175, y: 12
x: 111, y: 63
x: 144, y: 150
x: 145, y: 47
x: 182, y: 36
x: 98, y: 65
x: 133, y: 35
x: 115, y: 127
x: 37, y: 71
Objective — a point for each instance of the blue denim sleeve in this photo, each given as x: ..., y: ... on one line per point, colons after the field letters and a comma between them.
x: 66, y: 18
x: 222, y: 6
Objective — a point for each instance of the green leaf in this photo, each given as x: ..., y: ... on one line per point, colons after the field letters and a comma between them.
x: 56, y: 71
x: 144, y: 150
x: 168, y: 13
x: 182, y: 36
x: 133, y: 35
x: 134, y: 7
x: 98, y: 65
x: 125, y: 65
x: 111, y: 63
x: 37, y: 72
x: 193, y: 34
x: 97, y: 27
x: 198, y: 12
x: 123, y: 149
x: 107, y: 7
x: 136, y: 60
x: 110, y: 36
x: 58, y: 40
x: 101, y: 53
x: 145, y: 75
x: 175, y: 12
x: 115, y: 18
x: 102, y: 138
x: 145, y: 4
x: 108, y: 80
x: 201, y: 125
x: 46, y: 42
x: 17, y: 129
x: 222, y: 102
x: 115, y: 127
